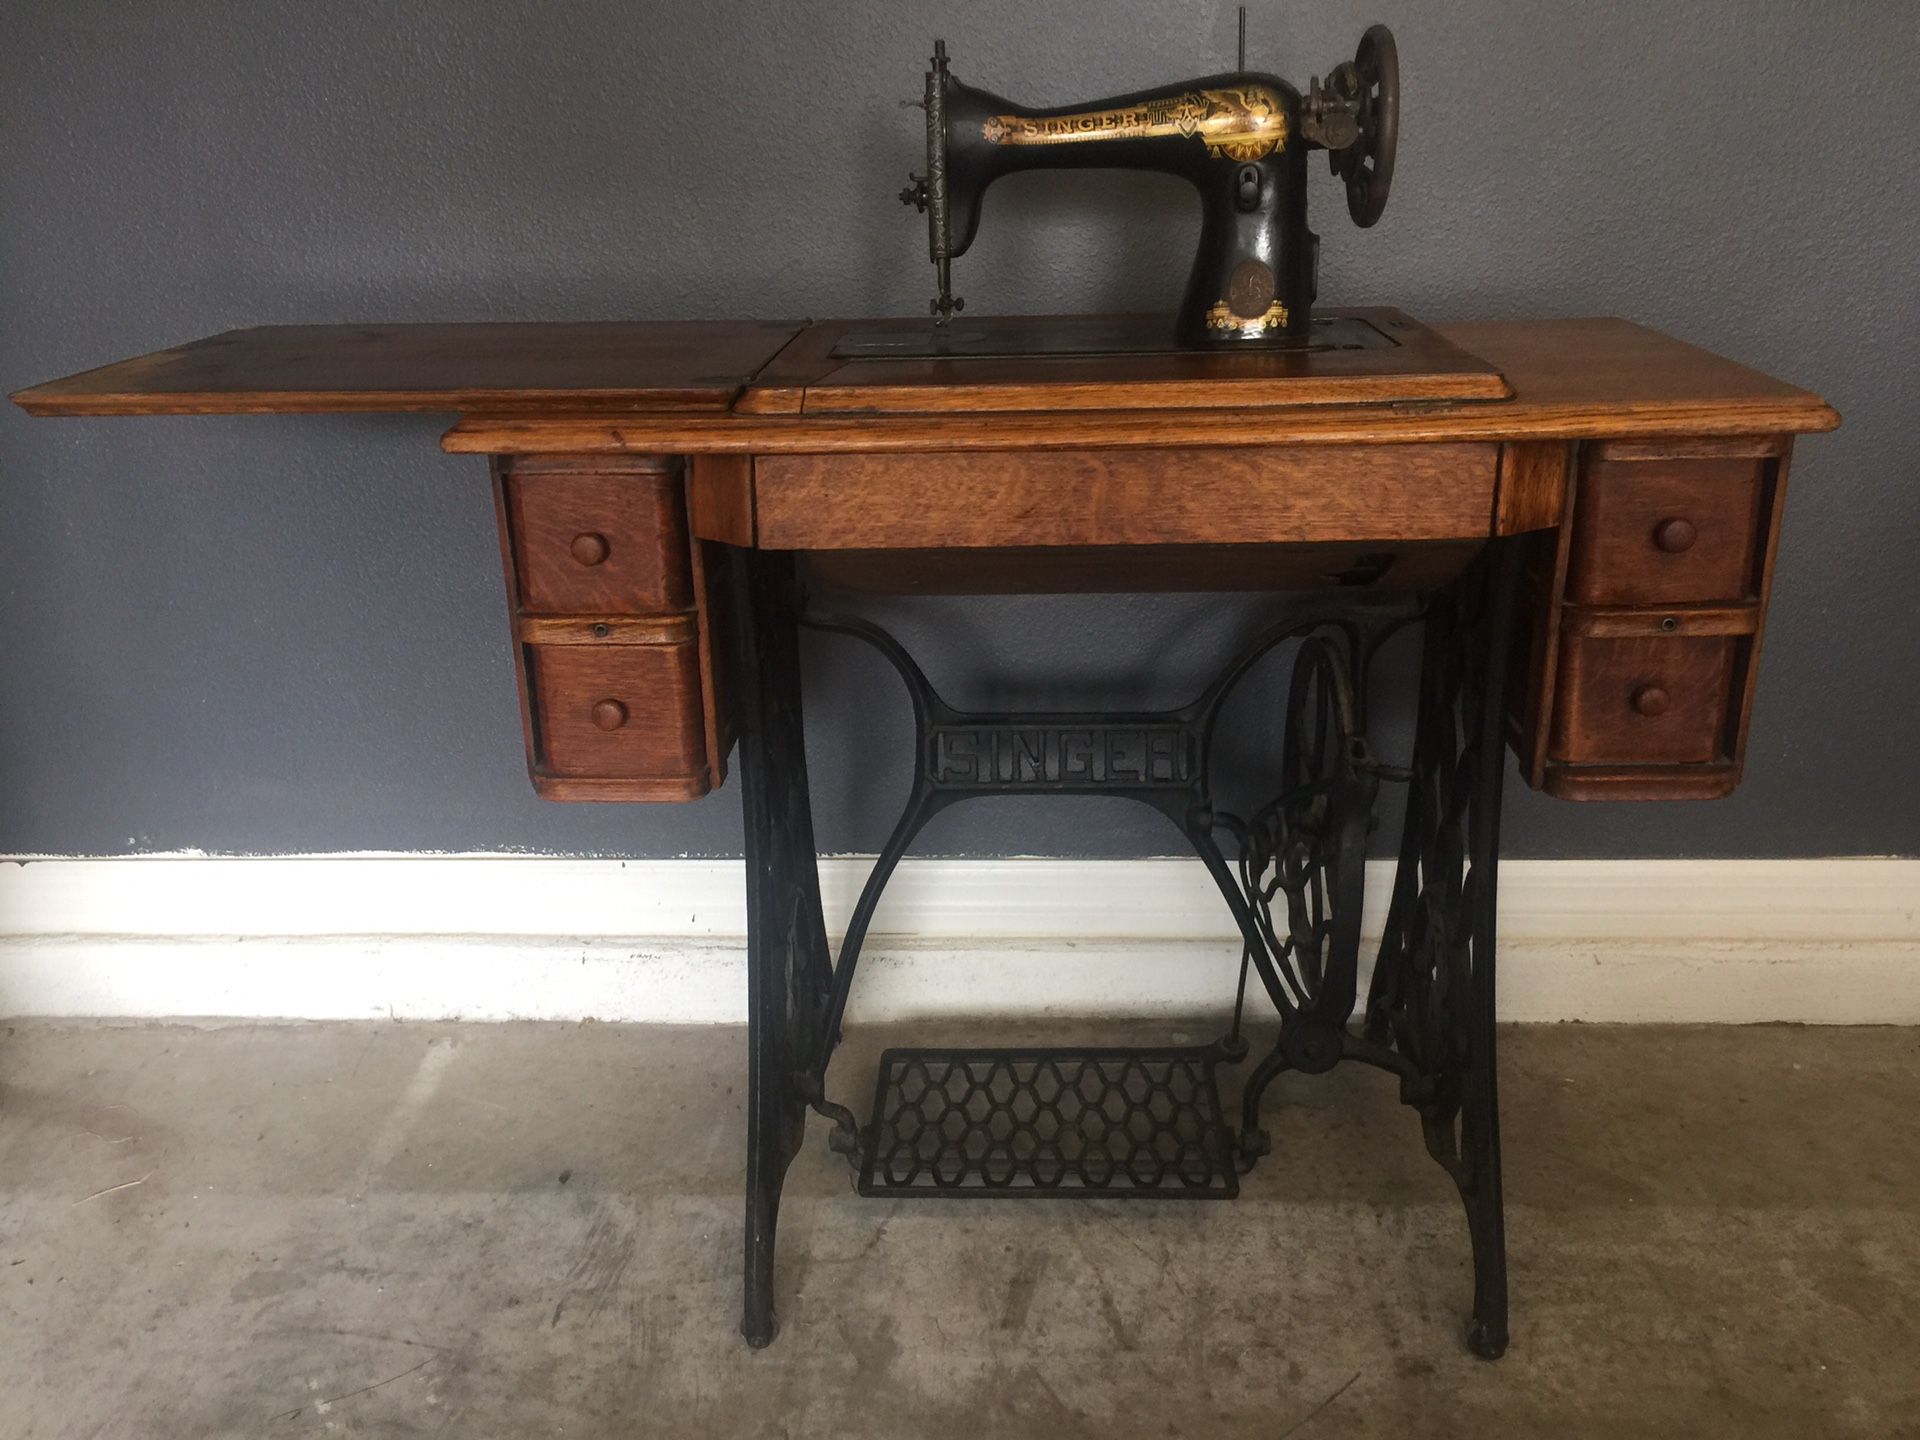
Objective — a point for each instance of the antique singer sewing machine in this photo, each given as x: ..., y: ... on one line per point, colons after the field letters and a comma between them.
x: 1241, y: 138
x: 1582, y: 515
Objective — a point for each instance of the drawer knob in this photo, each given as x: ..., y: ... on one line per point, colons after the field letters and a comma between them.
x: 1672, y: 536
x: 1650, y: 700
x: 611, y: 714
x: 592, y: 548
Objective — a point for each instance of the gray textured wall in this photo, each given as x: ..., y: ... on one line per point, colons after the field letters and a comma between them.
x: 288, y: 634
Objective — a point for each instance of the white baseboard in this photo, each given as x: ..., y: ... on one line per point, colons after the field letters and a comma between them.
x: 499, y: 937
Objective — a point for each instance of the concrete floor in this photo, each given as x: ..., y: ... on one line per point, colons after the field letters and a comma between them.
x: 505, y: 1231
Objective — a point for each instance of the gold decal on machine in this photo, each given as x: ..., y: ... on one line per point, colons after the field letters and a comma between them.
x: 1221, y: 317
x: 1244, y: 124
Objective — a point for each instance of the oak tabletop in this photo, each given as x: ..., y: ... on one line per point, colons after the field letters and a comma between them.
x: 322, y: 369
x: 773, y: 387
x: 1574, y: 379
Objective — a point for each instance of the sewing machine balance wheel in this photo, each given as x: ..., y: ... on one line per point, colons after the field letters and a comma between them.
x: 1367, y: 164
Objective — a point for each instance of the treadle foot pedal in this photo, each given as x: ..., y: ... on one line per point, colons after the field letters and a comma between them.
x: 1115, y: 1123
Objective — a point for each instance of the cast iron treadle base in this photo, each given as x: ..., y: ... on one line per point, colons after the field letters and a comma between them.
x: 1117, y: 1123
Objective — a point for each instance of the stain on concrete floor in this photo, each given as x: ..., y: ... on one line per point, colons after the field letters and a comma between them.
x: 494, y: 1231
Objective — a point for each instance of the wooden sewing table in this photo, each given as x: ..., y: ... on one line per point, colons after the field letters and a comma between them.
x: 1583, y: 514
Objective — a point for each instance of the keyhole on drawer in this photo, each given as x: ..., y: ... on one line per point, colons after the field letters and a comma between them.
x: 590, y: 548
x: 1669, y: 623
x: 609, y: 714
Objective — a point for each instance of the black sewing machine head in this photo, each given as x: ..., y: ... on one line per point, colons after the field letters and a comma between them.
x: 1241, y: 138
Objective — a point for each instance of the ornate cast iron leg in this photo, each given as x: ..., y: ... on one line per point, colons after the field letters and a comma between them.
x: 1296, y: 897
x: 1315, y: 833
x: 1480, y: 1121
x: 1433, y: 986
x: 997, y: 1124
x: 788, y: 982
x: 1302, y: 868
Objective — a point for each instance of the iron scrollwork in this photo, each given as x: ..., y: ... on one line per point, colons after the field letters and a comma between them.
x: 1295, y: 886
x: 1432, y: 996
x: 789, y: 982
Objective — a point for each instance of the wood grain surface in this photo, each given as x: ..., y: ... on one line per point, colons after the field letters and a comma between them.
x: 1747, y: 660
x: 1572, y: 379
x: 607, y: 629
x: 1534, y: 649
x: 1124, y: 497
x: 658, y: 687
x: 1352, y: 566
x: 1622, y: 553
x: 318, y: 369
x: 1709, y: 781
x: 713, y: 617
x: 1410, y: 363
x: 720, y: 497
x: 664, y: 388
x: 622, y: 626
x: 1651, y: 570
x: 1071, y: 362
x: 1618, y: 602
x: 632, y: 512
x: 1694, y: 447
x: 1533, y: 485
x: 1615, y: 622
x: 1596, y: 720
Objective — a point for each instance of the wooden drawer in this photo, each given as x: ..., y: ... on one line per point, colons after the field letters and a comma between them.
x: 1611, y: 616
x: 597, y: 537
x: 1255, y: 494
x: 1653, y: 528
x: 618, y: 712
x: 1642, y: 700
x: 618, y: 650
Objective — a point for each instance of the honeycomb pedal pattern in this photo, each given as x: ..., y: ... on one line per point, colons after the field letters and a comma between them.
x: 1115, y: 1123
